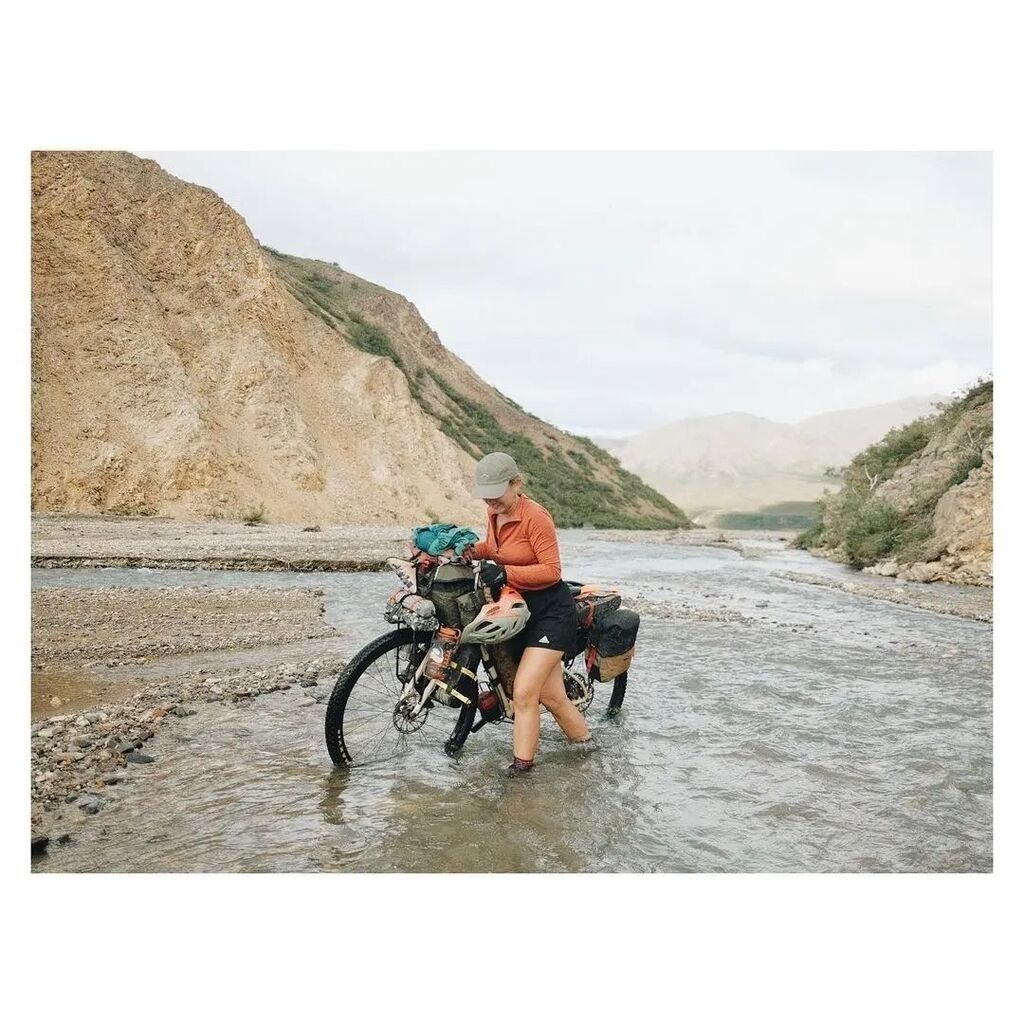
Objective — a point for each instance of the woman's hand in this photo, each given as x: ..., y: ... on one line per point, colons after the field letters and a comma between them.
x: 493, y: 576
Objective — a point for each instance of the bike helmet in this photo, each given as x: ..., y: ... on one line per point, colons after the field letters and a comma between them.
x: 498, y: 621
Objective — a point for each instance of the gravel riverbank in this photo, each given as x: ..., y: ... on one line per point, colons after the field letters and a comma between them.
x: 73, y: 541
x: 80, y: 760
x: 91, y: 645
x: 974, y: 603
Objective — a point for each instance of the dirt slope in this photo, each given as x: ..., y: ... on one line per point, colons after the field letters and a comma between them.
x: 180, y: 368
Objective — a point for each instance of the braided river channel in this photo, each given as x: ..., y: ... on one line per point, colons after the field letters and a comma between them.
x: 770, y: 725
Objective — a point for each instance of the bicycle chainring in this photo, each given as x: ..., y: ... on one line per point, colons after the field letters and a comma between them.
x: 578, y: 688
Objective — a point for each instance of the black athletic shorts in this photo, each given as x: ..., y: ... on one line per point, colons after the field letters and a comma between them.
x: 552, y: 622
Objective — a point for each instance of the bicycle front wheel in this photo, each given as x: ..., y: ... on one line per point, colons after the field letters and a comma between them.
x: 366, y: 722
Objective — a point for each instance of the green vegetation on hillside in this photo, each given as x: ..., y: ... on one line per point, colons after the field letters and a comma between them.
x: 866, y: 528
x: 565, y: 483
x: 785, y: 515
x: 580, y: 485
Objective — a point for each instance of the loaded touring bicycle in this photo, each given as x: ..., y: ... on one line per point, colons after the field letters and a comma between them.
x: 446, y: 669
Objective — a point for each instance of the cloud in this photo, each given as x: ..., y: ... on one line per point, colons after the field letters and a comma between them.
x: 623, y: 290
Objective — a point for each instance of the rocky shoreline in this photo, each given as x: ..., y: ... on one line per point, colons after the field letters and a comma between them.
x: 975, y: 604
x: 92, y: 645
x: 79, y: 760
x: 250, y: 564
x: 111, y: 664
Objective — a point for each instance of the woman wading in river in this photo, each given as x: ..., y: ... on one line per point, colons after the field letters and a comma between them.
x: 522, y: 550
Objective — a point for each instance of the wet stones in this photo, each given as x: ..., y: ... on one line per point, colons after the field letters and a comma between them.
x: 74, y: 755
x: 90, y: 804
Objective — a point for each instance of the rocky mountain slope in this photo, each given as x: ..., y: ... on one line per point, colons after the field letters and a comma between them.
x: 736, y: 462
x: 180, y: 368
x: 918, y: 505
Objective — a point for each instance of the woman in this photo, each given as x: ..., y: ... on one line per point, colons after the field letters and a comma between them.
x: 523, y: 551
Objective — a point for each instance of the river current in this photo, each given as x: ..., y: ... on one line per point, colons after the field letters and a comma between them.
x: 769, y: 725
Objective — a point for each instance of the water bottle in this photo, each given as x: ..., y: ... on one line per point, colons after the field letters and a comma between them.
x: 446, y: 639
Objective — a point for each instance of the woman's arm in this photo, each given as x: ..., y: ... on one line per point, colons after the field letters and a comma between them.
x: 486, y: 548
x: 540, y: 531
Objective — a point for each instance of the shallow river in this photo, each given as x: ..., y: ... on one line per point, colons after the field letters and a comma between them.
x: 801, y: 729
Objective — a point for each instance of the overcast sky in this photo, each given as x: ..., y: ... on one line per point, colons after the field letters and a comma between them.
x: 614, y: 292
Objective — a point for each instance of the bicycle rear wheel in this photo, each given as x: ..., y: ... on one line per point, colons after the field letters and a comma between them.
x: 364, y: 723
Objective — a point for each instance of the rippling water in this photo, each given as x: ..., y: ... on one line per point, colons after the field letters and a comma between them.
x: 811, y: 730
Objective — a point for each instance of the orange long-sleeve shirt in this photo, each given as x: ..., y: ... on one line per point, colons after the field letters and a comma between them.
x: 527, y: 546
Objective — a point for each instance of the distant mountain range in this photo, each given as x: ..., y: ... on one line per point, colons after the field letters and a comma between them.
x: 738, y: 462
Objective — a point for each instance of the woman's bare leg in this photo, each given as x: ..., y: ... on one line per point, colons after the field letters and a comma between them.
x: 535, y: 668
x: 566, y: 714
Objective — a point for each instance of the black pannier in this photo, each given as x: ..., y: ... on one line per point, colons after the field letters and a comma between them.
x: 616, y: 632
x: 613, y: 641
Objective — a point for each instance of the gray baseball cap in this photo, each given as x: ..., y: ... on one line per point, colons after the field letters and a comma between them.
x: 493, y: 473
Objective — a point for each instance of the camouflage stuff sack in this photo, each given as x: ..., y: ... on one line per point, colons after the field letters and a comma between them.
x: 450, y: 587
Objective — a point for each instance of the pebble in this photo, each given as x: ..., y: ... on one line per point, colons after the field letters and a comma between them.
x: 114, y: 778
x: 135, y: 757
x: 183, y: 712
x: 307, y: 682
x: 127, y: 746
x: 39, y: 844
x: 90, y: 804
x: 46, y: 733
x: 82, y: 722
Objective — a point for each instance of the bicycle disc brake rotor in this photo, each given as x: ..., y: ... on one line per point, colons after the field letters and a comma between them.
x: 402, y: 718
x: 578, y: 689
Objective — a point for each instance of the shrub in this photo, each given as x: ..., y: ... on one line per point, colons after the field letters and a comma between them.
x: 872, y: 533
x: 970, y: 460
x: 372, y: 339
x: 254, y: 516
x: 812, y: 537
x: 133, y: 508
x: 881, y: 460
